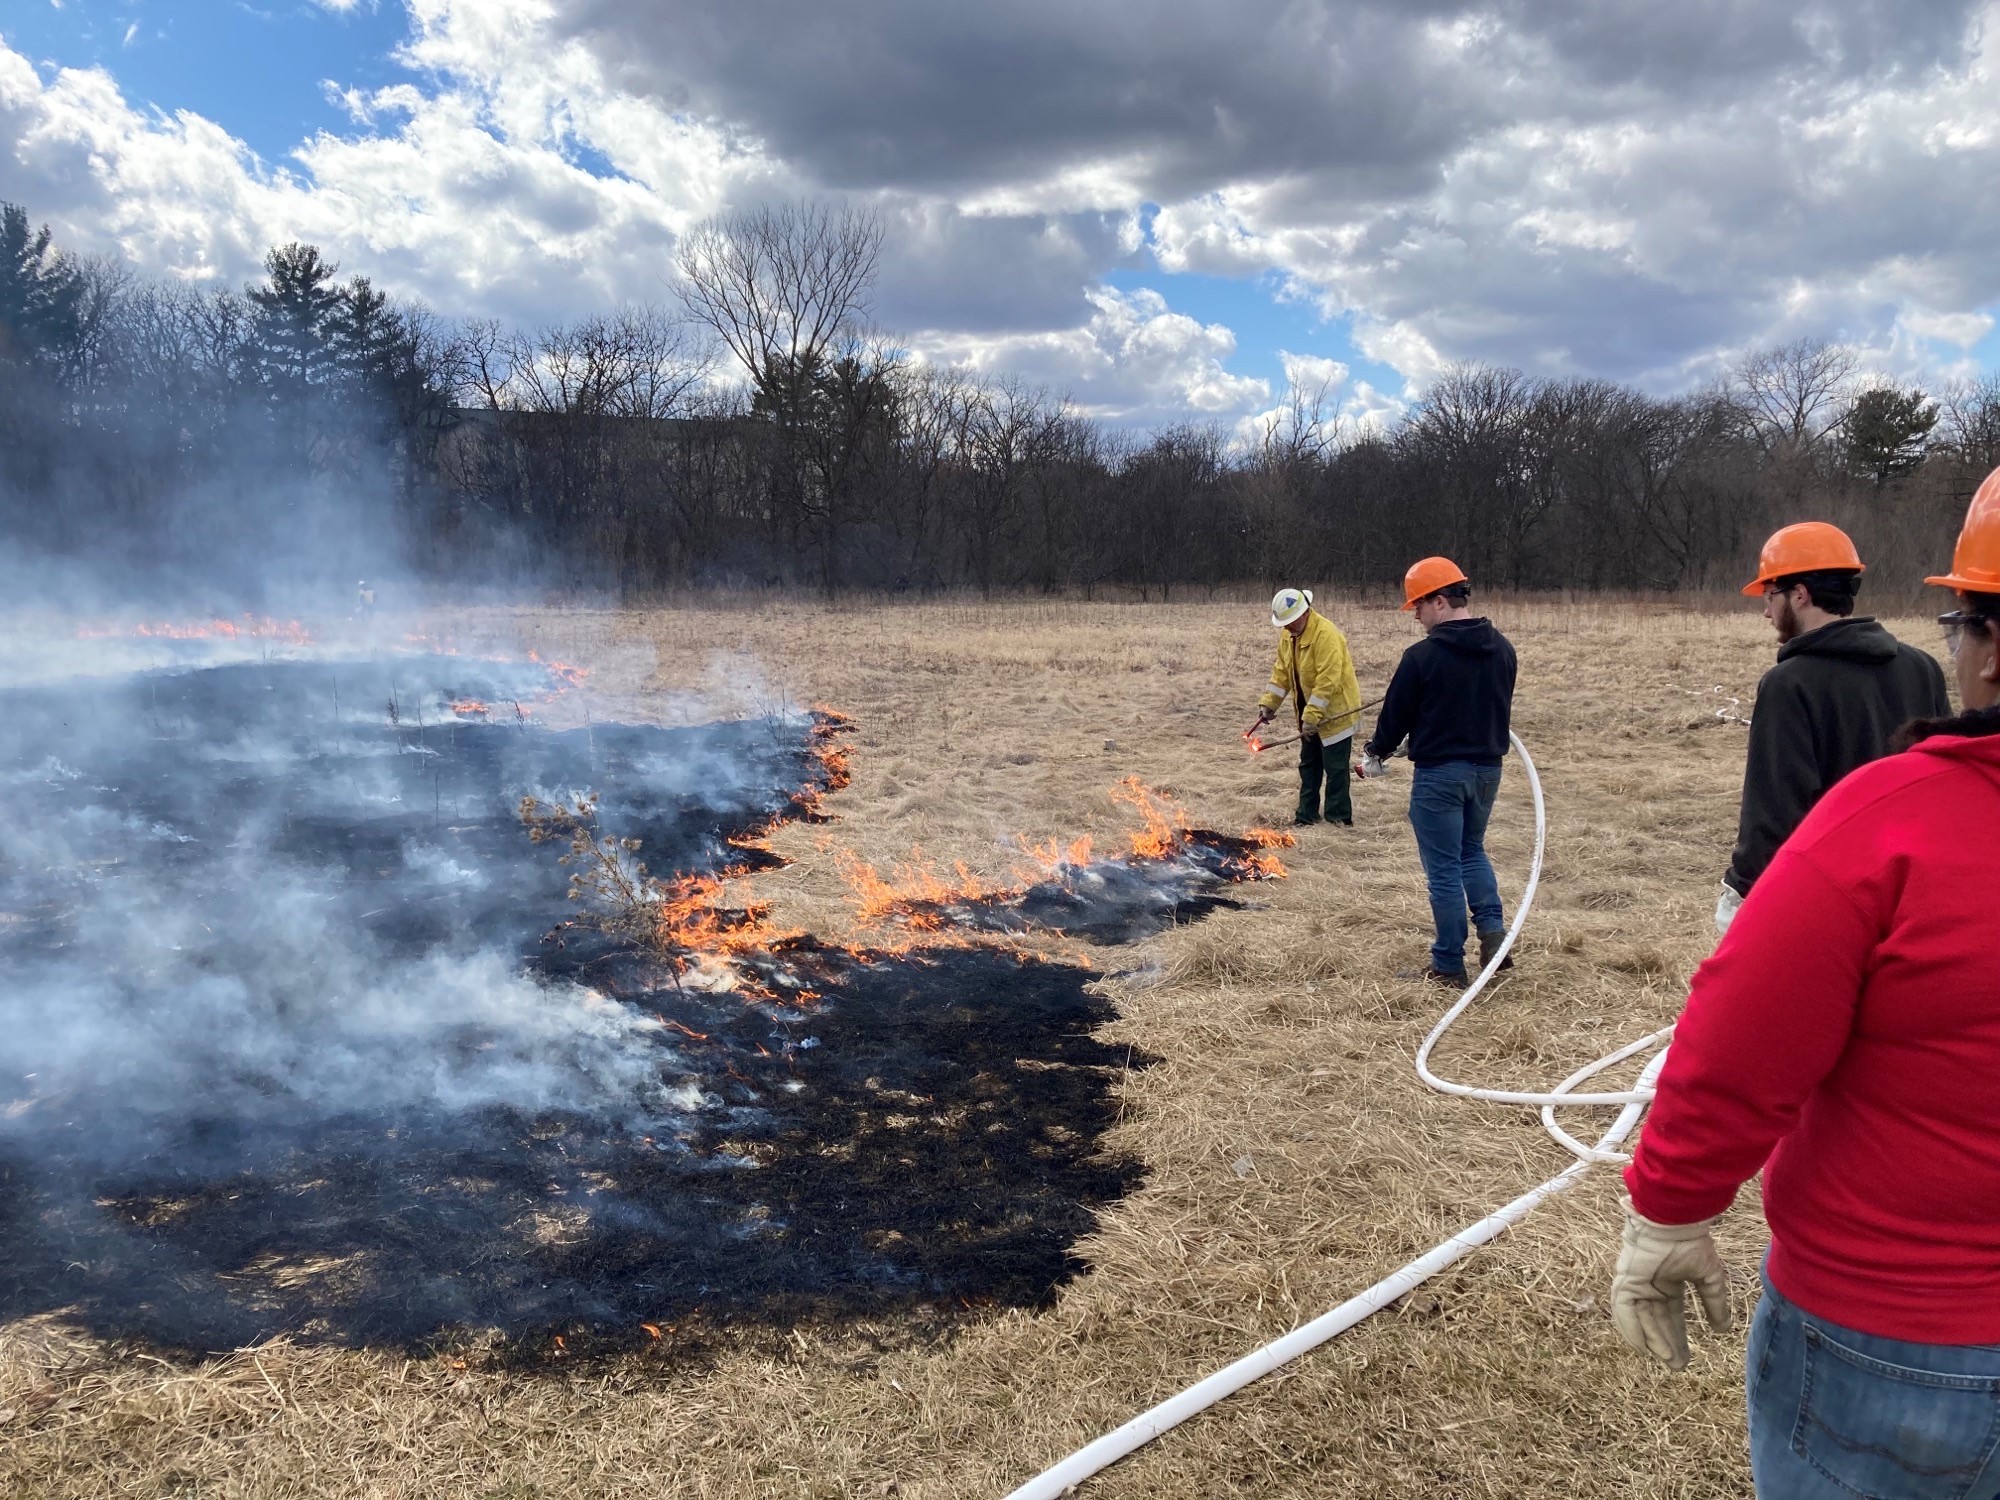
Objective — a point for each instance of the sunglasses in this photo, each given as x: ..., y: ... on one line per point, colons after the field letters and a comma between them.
x: 1958, y: 624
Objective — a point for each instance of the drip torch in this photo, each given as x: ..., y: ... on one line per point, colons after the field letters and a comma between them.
x: 1258, y: 746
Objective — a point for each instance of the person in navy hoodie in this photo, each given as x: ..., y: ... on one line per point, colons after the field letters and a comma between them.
x: 1452, y: 699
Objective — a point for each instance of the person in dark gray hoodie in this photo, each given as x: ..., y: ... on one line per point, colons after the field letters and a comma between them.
x: 1841, y: 689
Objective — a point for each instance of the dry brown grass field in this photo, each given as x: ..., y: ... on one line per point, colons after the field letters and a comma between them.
x: 1292, y: 1156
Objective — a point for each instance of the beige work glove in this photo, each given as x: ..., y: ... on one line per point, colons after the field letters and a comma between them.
x: 1657, y: 1265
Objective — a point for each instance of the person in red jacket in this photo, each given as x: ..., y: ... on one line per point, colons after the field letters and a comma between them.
x: 1845, y: 1038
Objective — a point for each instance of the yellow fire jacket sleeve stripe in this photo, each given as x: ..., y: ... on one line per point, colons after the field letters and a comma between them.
x: 1329, y: 696
x: 1281, y: 677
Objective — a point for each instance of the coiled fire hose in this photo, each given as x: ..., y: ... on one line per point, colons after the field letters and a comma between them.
x: 1632, y: 1102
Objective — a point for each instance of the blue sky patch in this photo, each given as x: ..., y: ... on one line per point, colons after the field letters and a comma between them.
x: 255, y: 69
x: 1263, y: 321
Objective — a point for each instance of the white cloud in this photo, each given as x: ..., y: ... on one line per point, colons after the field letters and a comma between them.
x: 1312, y: 372
x: 1649, y: 242
x: 1604, y: 187
x: 1961, y: 329
x: 1369, y: 409
x: 1134, y: 360
x: 469, y: 187
x: 466, y: 193
x: 1321, y: 394
x: 1402, y: 347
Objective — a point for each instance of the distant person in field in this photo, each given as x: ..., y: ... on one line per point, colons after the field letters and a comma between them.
x: 1845, y: 1038
x: 1452, y: 698
x: 1315, y: 670
x: 1842, y: 686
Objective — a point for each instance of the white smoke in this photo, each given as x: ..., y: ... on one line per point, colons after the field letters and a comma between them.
x: 201, y: 927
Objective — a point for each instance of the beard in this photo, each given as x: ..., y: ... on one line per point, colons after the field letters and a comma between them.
x: 1786, y: 620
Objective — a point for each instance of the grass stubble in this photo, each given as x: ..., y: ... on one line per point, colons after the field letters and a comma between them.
x: 1292, y: 1155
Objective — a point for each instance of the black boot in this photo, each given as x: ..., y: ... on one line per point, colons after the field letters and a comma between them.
x: 1432, y: 974
x: 1489, y: 944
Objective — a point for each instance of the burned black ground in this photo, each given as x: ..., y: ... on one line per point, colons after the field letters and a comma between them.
x: 238, y: 903
x: 932, y: 1148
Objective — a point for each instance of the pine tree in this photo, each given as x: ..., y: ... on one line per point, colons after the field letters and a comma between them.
x: 1886, y: 432
x: 294, y: 317
x: 41, y: 294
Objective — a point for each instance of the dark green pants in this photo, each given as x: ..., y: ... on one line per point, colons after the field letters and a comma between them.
x: 1324, y: 765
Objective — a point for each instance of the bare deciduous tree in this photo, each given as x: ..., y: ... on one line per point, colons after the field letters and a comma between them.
x: 1792, y: 397
x: 636, y: 362
x: 782, y: 286
x: 600, y: 453
x: 786, y: 290
x: 1971, y: 420
x: 1469, y: 438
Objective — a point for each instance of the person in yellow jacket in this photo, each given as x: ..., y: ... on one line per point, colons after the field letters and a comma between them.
x: 1316, y: 672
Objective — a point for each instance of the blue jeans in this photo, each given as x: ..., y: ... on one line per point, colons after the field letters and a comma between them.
x: 1449, y: 806
x: 1835, y: 1413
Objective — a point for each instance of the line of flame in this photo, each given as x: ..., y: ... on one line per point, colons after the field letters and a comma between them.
x: 247, y: 627
x: 691, y: 922
x: 915, y: 891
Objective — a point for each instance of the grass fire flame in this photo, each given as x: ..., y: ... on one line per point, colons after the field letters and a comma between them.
x: 688, y: 919
x: 1169, y: 872
x: 246, y: 627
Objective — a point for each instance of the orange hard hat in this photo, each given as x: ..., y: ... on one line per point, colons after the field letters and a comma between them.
x: 1427, y: 576
x: 1809, y: 547
x: 1975, y: 562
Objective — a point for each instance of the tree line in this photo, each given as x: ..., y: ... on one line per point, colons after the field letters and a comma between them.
x: 762, y: 431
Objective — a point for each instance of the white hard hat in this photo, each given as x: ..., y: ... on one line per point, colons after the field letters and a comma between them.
x: 1288, y: 604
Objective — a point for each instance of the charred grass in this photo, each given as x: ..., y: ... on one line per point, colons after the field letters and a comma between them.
x: 1290, y: 1155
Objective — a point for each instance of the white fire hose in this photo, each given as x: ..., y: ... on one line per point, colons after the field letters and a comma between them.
x: 1632, y: 1102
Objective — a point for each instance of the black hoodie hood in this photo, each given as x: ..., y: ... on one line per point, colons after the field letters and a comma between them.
x: 1468, y: 637
x: 1859, y: 639
x: 1833, y: 702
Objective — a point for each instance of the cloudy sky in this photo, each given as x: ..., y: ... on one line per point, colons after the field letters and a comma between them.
x: 1167, y: 208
